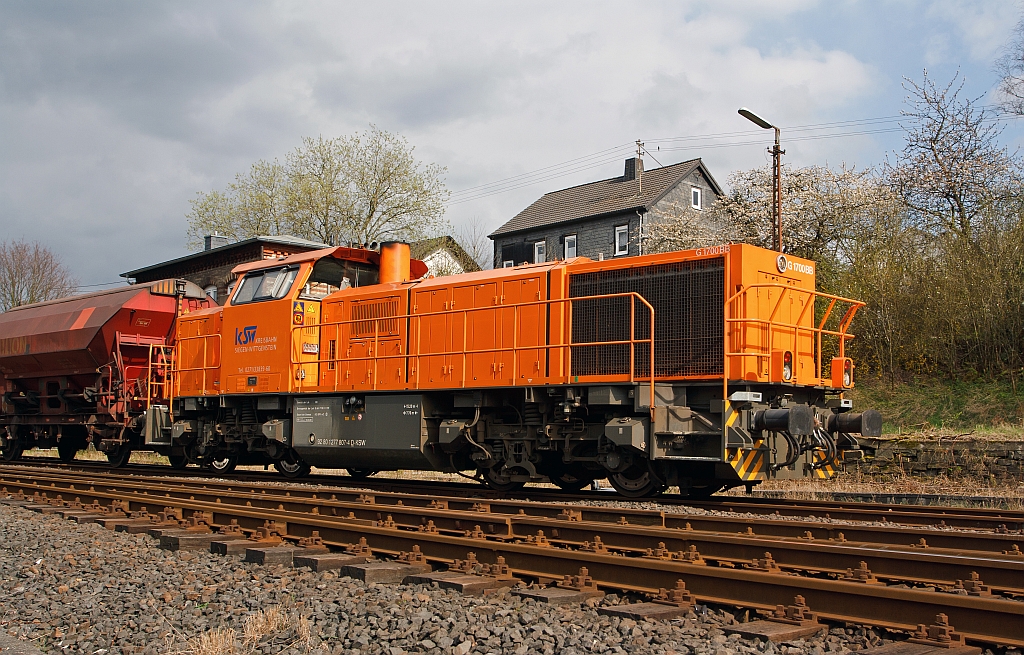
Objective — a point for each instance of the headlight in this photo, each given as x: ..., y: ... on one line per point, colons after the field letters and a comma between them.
x: 787, y: 366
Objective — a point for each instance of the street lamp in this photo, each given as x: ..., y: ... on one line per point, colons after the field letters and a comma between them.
x: 777, y: 153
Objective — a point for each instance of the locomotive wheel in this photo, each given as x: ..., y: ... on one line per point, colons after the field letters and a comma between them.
x: 291, y: 466
x: 361, y: 474
x: 119, y: 458
x: 178, y: 462
x: 224, y: 465
x: 499, y: 481
x: 635, y: 482
x: 571, y: 479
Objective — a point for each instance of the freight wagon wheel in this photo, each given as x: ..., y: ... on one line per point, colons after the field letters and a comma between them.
x: 571, y: 479
x: 11, y: 451
x: 67, y: 448
x: 499, y: 481
x: 635, y: 482
x: 291, y: 466
x: 71, y: 441
x: 178, y: 462
x: 361, y: 474
x: 119, y: 458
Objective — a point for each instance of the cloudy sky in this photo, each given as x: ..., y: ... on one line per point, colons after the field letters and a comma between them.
x: 113, y: 115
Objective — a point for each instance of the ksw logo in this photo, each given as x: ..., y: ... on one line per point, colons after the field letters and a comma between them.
x: 245, y: 336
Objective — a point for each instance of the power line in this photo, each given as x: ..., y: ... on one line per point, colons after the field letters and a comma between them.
x: 805, y: 132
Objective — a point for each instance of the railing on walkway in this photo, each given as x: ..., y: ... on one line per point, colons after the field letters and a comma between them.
x: 412, y: 361
x: 180, y: 371
x: 804, y: 324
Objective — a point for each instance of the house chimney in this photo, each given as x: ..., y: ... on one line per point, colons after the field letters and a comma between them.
x: 634, y: 165
x: 211, y: 241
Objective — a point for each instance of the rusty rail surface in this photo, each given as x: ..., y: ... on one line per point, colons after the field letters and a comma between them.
x: 975, y: 518
x: 625, y: 556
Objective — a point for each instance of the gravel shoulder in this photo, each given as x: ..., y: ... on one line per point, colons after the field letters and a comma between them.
x: 70, y: 588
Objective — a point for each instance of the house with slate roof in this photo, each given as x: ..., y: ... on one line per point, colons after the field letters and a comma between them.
x: 604, y: 219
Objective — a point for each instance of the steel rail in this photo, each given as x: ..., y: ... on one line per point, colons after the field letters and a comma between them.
x: 910, y: 565
x: 893, y: 536
x: 989, y: 620
x: 981, y: 518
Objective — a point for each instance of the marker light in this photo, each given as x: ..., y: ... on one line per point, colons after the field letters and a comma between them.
x: 787, y: 366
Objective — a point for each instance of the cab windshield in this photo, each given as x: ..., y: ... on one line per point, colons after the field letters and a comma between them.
x: 270, y: 284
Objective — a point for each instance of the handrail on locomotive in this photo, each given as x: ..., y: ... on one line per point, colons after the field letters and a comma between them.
x: 465, y: 351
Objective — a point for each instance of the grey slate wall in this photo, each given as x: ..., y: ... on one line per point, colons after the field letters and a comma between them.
x: 595, y: 236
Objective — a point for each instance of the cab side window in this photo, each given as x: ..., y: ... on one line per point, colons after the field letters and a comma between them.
x: 265, y: 285
x: 330, y: 275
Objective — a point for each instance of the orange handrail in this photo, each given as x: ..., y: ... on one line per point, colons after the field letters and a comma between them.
x: 817, y: 332
x: 206, y: 353
x: 514, y: 348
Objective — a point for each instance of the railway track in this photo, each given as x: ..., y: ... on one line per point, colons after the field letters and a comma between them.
x: 854, y: 509
x: 879, y: 575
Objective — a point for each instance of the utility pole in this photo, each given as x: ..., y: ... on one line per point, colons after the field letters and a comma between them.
x: 776, y: 153
x: 639, y: 168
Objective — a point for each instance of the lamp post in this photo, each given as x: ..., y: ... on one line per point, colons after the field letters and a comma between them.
x: 777, y: 153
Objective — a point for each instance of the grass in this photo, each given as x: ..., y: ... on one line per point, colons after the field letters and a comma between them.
x: 256, y: 630
x: 987, y: 409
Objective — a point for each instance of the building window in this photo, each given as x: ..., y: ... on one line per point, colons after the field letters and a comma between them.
x: 570, y: 246
x: 622, y: 240
x: 211, y: 291
x: 695, y: 198
x: 539, y: 252
x: 507, y: 264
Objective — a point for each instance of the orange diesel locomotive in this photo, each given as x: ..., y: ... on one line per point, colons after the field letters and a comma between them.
x: 703, y: 369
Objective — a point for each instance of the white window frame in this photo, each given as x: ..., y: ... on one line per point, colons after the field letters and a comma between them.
x: 621, y: 229
x: 540, y: 248
x: 565, y: 246
x: 508, y: 264
x: 698, y: 195
x: 211, y: 292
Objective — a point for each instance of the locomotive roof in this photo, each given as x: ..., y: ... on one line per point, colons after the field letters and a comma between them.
x: 417, y: 268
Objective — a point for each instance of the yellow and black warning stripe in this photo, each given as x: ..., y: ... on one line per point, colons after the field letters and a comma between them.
x: 822, y: 469
x: 749, y: 463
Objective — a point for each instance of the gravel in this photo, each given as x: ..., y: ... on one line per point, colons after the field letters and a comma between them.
x: 70, y: 588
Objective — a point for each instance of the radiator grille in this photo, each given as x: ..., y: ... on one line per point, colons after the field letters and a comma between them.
x: 688, y: 312
x: 367, y: 315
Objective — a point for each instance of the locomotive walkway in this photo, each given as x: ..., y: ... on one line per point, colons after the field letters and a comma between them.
x: 893, y: 575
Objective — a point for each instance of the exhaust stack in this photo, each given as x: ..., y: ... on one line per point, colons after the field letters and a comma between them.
x: 394, y: 262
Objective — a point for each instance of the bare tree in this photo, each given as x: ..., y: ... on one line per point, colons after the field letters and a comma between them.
x: 472, y: 236
x: 364, y: 187
x: 318, y: 202
x: 1011, y: 69
x: 952, y: 171
x: 30, y: 273
x: 254, y: 204
x: 393, y: 196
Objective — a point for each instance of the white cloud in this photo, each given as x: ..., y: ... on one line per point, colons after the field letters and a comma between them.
x: 112, y: 119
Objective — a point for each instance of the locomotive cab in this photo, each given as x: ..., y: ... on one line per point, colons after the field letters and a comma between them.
x: 239, y: 365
